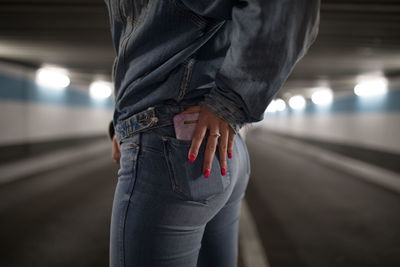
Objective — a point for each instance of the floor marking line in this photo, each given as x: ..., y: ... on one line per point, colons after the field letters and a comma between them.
x: 19, y: 169
x: 252, y: 251
x: 360, y: 169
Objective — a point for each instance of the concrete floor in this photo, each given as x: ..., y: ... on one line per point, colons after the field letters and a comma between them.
x: 58, y: 218
x: 310, y: 214
x: 307, y: 213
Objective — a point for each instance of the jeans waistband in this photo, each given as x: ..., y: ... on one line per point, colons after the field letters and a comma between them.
x: 152, y: 117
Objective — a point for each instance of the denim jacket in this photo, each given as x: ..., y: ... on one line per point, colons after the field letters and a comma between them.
x: 234, y: 55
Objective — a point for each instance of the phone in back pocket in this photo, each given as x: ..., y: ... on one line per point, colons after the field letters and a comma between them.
x: 185, y: 125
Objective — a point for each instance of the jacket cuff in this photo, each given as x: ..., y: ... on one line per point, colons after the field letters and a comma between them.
x: 225, y: 109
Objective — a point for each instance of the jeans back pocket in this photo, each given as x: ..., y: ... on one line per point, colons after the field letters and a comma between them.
x: 187, y: 178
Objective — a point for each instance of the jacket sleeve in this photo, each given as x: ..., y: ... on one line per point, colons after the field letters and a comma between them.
x: 268, y: 38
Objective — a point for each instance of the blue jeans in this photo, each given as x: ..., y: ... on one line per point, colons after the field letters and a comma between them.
x: 165, y: 212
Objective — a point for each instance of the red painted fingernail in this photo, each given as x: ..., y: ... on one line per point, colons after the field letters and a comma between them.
x: 207, y: 173
x: 223, y: 171
x: 192, y: 157
x: 230, y: 155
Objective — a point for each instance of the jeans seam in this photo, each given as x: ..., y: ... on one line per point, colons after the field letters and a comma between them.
x: 147, y: 127
x: 124, y: 215
x: 146, y: 148
x: 175, y: 188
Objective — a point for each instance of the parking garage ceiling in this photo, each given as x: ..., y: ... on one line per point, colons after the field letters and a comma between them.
x: 356, y: 37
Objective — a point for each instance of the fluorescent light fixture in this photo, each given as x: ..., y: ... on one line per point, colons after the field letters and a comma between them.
x: 100, y: 90
x: 297, y: 102
x: 322, y: 96
x: 51, y: 77
x: 271, y: 107
x: 371, y: 87
x: 280, y: 105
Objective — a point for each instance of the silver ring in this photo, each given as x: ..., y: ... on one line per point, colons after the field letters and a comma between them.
x: 216, y: 134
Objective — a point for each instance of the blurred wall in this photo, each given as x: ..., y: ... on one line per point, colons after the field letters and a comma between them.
x: 30, y: 113
x: 368, y: 122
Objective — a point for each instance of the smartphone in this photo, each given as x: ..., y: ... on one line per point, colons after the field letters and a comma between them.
x: 185, y: 125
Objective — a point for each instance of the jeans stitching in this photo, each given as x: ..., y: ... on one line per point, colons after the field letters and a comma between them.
x: 124, y: 214
x: 175, y: 188
x: 146, y: 148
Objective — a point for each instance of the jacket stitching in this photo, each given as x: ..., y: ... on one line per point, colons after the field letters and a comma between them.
x: 201, y: 22
x: 186, y: 77
x: 134, y: 24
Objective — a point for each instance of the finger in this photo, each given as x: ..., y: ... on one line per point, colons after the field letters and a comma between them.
x: 222, y: 148
x: 197, y: 139
x: 231, y: 139
x: 212, y: 141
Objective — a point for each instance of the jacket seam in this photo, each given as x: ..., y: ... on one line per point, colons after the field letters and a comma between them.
x: 134, y: 23
x: 186, y: 77
x: 198, y: 20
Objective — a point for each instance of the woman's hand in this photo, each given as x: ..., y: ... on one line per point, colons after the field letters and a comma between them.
x: 115, y: 151
x: 209, y: 121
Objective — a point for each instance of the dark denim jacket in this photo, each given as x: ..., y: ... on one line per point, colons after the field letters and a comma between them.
x: 234, y: 55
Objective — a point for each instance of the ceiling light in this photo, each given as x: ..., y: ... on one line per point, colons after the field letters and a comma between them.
x: 322, y: 96
x: 52, y: 78
x: 100, y: 90
x: 372, y: 87
x: 280, y: 105
x: 271, y: 107
x: 297, y: 102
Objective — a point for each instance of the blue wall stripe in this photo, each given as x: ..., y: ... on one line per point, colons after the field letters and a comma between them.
x: 26, y: 90
x: 22, y: 89
x: 389, y: 102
